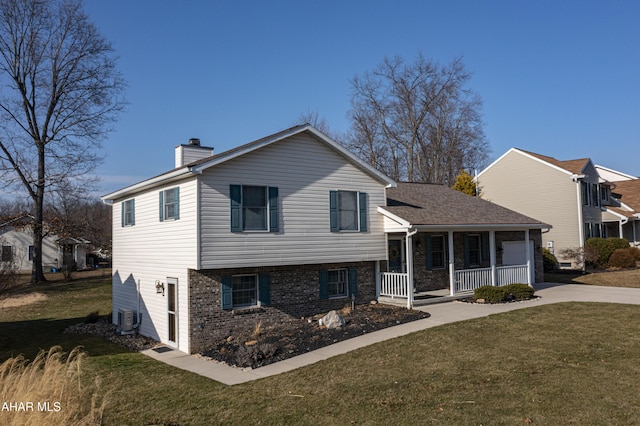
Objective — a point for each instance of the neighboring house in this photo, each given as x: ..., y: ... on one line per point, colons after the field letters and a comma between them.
x: 16, y: 239
x: 571, y: 196
x: 622, y: 216
x: 290, y: 225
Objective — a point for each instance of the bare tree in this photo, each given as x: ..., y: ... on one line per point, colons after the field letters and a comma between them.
x: 417, y: 121
x: 61, y: 92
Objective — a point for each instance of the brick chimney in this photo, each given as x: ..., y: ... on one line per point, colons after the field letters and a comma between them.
x: 192, y: 151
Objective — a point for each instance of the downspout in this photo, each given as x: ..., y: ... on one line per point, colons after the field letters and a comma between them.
x: 409, y: 256
x: 528, y: 254
x: 137, y: 324
x: 580, y: 218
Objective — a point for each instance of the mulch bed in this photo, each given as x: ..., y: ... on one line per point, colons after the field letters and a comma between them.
x: 271, y: 342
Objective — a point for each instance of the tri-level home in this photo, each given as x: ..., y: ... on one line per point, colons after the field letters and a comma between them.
x: 572, y: 196
x: 292, y: 225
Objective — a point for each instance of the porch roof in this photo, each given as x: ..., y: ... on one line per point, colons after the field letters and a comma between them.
x: 629, y: 191
x: 427, y: 205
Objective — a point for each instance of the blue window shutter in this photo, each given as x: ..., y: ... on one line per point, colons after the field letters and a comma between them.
x: 484, y: 246
x: 176, y: 191
x: 429, y: 253
x: 324, y: 284
x: 265, y: 291
x: 133, y: 212
x: 227, y: 292
x: 122, y: 213
x: 353, y: 281
x: 363, y: 211
x: 274, y: 225
x: 235, y: 194
x: 333, y: 211
x: 161, y: 197
x: 467, y: 255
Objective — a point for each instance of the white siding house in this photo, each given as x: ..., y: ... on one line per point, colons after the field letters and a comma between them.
x: 286, y: 225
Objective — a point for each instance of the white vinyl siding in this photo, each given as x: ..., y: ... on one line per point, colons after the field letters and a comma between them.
x: 152, y: 251
x: 305, y: 171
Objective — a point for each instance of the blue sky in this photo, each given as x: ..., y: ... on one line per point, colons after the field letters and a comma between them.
x: 560, y: 78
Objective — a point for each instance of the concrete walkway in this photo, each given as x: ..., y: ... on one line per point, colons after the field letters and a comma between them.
x: 443, y: 313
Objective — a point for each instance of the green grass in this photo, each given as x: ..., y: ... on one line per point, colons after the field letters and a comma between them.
x: 570, y: 363
x: 620, y: 278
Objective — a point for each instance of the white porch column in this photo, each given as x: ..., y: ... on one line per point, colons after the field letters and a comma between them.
x: 409, y: 261
x: 377, y: 279
x: 492, y: 257
x: 528, y: 254
x: 452, y: 268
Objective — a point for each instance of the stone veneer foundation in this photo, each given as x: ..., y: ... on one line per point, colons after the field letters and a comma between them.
x: 294, y: 293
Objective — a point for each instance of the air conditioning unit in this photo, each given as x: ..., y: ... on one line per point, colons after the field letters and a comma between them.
x: 125, y: 321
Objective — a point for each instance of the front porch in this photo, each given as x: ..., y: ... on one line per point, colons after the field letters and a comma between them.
x: 426, y: 267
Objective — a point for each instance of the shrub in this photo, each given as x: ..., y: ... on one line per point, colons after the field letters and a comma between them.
x: 550, y: 263
x: 53, y: 379
x: 490, y: 293
x: 519, y: 291
x: 635, y: 252
x: 599, y: 250
x: 622, y: 258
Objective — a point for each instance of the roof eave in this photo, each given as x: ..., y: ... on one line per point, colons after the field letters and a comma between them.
x: 172, y: 176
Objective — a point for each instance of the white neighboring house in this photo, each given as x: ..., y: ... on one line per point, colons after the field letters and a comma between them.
x: 16, y: 241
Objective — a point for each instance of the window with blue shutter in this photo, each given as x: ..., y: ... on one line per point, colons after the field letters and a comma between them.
x: 348, y: 211
x: 254, y: 208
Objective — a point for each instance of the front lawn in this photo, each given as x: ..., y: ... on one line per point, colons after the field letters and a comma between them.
x: 550, y: 364
x: 619, y: 278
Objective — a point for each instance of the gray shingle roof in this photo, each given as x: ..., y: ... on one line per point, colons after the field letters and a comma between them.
x: 427, y: 204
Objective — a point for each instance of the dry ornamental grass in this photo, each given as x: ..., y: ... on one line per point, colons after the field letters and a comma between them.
x: 49, y: 390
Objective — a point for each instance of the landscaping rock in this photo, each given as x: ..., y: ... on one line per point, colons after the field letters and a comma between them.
x: 333, y: 320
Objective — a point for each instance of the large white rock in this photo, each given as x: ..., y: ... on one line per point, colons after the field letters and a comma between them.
x: 332, y: 320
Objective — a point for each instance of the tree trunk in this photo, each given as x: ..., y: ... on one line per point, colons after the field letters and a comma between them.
x: 37, y: 271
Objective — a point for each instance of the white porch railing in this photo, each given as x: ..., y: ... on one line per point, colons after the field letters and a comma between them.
x: 470, y: 279
x: 394, y: 284
x: 512, y: 274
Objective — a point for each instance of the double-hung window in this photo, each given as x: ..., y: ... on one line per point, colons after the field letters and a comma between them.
x: 338, y: 283
x: 436, y: 252
x: 254, y: 208
x: 245, y: 291
x: 348, y: 211
x: 128, y: 213
x: 170, y: 204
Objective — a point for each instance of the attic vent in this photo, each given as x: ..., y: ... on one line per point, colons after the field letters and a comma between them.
x: 194, y: 141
